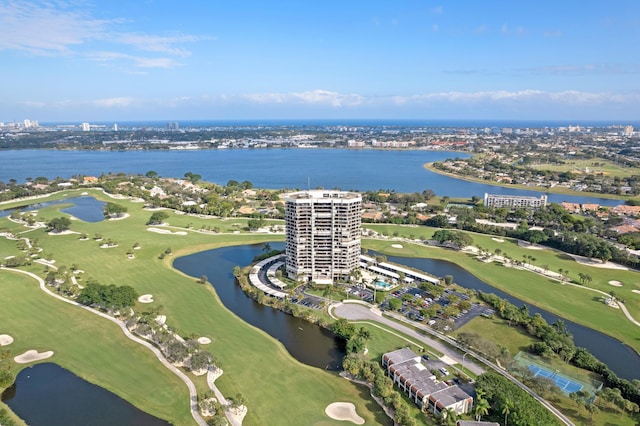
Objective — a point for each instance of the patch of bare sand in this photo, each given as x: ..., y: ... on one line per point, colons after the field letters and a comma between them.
x: 65, y: 232
x: 5, y: 340
x: 343, y: 411
x: 204, y: 340
x: 146, y: 298
x: 596, y: 263
x: 166, y: 231
x: 530, y: 246
x: 31, y: 356
x: 615, y: 283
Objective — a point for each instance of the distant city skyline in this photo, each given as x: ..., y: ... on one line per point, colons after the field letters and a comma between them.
x: 199, y: 60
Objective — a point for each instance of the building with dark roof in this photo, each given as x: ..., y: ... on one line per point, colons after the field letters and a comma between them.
x: 411, y: 374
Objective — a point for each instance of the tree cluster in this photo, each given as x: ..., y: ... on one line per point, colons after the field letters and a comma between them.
x: 59, y: 224
x: 110, y: 297
x: 507, y: 399
x: 556, y: 339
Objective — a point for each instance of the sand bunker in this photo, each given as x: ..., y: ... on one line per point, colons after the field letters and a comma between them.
x: 396, y: 245
x: 636, y: 291
x: 530, y: 246
x: 204, y: 340
x: 161, y: 319
x: 615, y: 283
x: 5, y: 340
x: 65, y: 232
x: 32, y: 355
x: 498, y: 240
x: 146, y: 298
x: 344, y: 411
x: 166, y: 231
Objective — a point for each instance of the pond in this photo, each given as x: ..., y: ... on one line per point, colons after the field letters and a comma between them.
x: 85, y: 208
x: 48, y: 395
x: 308, y: 343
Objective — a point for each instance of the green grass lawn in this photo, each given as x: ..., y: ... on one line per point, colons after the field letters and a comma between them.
x: 89, y: 346
x: 575, y: 304
x: 279, y: 390
x: 555, y: 189
x: 586, y: 166
x: 498, y: 331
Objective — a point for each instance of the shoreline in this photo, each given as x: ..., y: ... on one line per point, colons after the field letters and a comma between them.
x: 569, y: 192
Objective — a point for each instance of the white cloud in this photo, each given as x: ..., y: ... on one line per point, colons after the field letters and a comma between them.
x: 34, y: 104
x: 42, y: 29
x: 438, y: 10
x: 570, y: 97
x: 113, y: 102
x: 585, y: 69
x: 315, y: 97
x: 138, y: 61
x: 161, y: 44
x: 61, y: 28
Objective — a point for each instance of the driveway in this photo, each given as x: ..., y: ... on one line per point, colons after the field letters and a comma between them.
x: 356, y: 312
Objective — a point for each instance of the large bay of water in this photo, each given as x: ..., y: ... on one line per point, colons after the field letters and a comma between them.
x: 400, y: 170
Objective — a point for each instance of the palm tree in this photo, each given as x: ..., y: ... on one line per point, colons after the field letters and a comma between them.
x: 506, y: 410
x: 481, y: 408
x: 448, y: 417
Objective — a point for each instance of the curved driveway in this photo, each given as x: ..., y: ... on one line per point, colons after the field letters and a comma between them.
x: 358, y: 312
x: 355, y: 311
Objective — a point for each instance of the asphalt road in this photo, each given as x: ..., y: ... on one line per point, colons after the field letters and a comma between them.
x: 356, y: 312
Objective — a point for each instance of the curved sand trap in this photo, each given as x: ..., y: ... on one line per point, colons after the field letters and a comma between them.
x: 498, y: 240
x: 5, y: 340
x: 32, y: 355
x: 166, y: 231
x: 146, y: 298
x: 615, y: 283
x: 636, y: 291
x: 204, y: 340
x: 396, y: 245
x: 343, y: 411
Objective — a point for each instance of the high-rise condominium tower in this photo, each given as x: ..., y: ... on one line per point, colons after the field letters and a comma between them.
x: 323, y: 234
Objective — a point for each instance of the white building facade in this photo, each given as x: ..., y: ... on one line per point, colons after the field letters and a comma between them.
x: 322, y: 235
x: 514, y: 201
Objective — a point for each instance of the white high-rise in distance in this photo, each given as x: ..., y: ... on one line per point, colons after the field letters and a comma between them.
x: 323, y: 235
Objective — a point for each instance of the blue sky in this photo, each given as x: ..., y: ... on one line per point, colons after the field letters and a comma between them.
x: 75, y: 60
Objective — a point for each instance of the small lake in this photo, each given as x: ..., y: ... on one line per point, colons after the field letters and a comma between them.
x: 315, y: 346
x: 48, y: 395
x: 308, y: 343
x: 85, y: 208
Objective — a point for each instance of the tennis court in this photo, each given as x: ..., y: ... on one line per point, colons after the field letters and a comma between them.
x: 566, y: 385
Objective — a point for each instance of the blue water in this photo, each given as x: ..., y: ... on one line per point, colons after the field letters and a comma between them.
x: 48, y: 395
x: 361, y: 170
x: 87, y: 208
